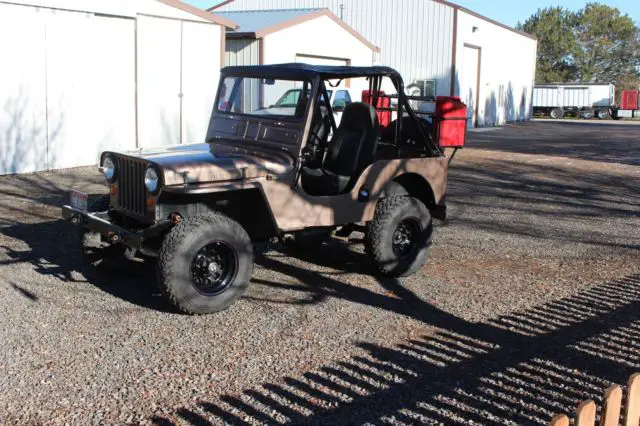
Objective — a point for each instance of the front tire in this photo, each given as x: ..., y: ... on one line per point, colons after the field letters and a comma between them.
x: 399, y: 236
x: 205, y: 264
x: 604, y: 114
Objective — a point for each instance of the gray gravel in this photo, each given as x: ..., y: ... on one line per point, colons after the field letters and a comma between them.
x: 529, y: 304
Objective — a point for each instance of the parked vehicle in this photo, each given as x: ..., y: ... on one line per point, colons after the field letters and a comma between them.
x: 629, y: 105
x: 268, y: 173
x: 339, y: 99
x: 584, y: 100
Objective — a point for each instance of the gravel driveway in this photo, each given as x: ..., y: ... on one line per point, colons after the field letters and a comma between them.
x: 530, y: 302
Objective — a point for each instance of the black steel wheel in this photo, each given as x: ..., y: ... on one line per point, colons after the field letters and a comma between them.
x: 398, y: 237
x: 406, y: 237
x: 205, y: 264
x: 214, y: 267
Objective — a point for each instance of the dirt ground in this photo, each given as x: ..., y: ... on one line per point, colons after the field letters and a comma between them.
x: 529, y: 303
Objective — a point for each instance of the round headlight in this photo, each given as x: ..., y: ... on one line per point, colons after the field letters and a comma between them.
x: 109, y: 169
x: 151, y: 180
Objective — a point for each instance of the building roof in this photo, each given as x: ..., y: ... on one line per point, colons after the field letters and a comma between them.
x: 204, y: 14
x: 445, y: 2
x: 259, y: 23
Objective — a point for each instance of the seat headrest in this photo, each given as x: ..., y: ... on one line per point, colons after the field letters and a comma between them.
x: 358, y: 114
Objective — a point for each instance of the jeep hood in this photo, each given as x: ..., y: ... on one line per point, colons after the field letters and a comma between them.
x: 202, y: 163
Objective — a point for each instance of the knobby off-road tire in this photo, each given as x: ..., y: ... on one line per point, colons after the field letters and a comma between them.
x: 205, y: 264
x: 393, y: 220
x: 97, y: 252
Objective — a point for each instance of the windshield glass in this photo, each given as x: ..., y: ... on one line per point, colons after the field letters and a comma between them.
x: 260, y: 96
x: 290, y: 98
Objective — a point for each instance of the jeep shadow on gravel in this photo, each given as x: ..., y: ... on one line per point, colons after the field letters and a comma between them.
x: 269, y: 172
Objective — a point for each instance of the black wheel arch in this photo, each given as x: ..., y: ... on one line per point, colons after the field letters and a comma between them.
x: 258, y: 220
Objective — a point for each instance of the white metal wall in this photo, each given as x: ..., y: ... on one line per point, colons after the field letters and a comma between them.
x: 68, y: 83
x: 507, y: 70
x: 159, y: 81
x: 23, y: 120
x: 336, y: 45
x: 415, y: 36
x: 178, y: 64
x: 62, y: 99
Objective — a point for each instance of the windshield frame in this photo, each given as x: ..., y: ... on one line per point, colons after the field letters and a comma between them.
x: 280, y: 117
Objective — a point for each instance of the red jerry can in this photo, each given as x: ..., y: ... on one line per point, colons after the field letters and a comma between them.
x: 384, y: 116
x: 451, y: 122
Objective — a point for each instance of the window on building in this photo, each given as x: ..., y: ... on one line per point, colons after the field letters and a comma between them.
x: 427, y: 88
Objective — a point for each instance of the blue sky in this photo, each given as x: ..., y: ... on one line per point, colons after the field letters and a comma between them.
x: 511, y: 11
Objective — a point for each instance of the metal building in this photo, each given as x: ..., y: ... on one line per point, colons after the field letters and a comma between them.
x: 440, y: 48
x: 282, y: 36
x: 79, y: 77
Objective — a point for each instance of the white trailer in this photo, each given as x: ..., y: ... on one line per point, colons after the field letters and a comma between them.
x: 585, y: 100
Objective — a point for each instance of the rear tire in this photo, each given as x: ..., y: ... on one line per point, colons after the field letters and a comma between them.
x: 205, y: 264
x: 556, y: 113
x: 399, y: 236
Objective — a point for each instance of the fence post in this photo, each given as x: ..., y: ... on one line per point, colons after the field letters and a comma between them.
x: 586, y: 414
x: 559, y: 420
x: 632, y: 411
x: 610, y: 415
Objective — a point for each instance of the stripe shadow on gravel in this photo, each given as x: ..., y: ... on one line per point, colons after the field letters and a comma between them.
x: 520, y: 368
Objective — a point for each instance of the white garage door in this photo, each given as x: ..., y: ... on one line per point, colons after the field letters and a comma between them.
x: 67, y: 88
x: 23, y: 131
x: 90, y: 87
x: 178, y: 73
x: 159, y: 44
x: 201, y: 58
x: 321, y: 60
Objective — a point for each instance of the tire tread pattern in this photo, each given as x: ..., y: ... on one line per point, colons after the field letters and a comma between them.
x: 174, y: 238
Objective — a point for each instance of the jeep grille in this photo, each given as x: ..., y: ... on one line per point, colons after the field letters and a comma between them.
x: 131, y: 190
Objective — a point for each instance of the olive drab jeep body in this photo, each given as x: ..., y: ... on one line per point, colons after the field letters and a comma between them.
x: 267, y: 171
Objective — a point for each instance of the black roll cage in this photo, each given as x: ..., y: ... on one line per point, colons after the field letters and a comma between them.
x: 319, y: 74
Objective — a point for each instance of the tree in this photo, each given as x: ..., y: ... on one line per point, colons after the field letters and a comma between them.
x: 595, y: 44
x: 609, y: 45
x: 554, y: 27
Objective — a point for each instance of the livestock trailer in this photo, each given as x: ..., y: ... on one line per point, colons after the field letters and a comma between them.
x: 585, y: 100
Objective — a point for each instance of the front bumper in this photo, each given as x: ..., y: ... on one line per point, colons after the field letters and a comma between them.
x: 99, y: 222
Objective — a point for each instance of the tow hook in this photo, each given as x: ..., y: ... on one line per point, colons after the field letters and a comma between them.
x: 115, y: 238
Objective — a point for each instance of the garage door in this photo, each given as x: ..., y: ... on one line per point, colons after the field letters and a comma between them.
x: 23, y: 132
x: 67, y: 89
x: 159, y: 45
x: 90, y: 87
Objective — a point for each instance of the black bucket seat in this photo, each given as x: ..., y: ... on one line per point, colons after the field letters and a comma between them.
x: 351, y: 149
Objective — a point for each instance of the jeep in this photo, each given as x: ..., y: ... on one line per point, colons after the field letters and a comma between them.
x: 267, y: 173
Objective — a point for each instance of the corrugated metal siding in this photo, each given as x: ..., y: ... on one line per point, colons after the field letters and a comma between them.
x: 245, y: 52
x: 415, y: 36
x: 254, y: 21
x: 242, y: 52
